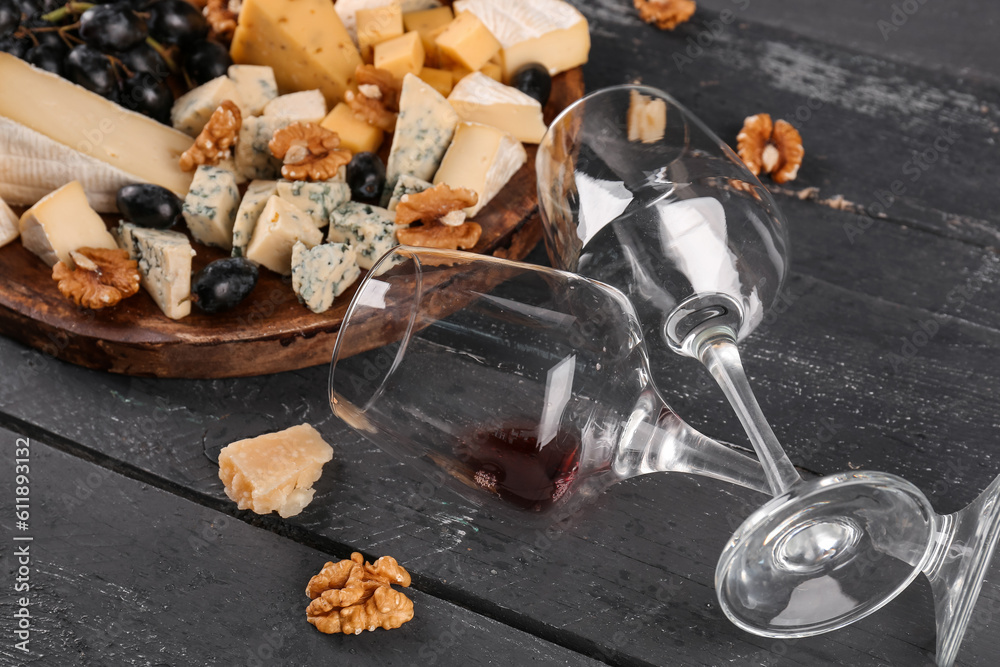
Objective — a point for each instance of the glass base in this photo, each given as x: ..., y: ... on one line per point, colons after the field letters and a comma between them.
x: 825, y: 554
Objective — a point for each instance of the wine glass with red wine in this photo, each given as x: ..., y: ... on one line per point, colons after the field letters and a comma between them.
x: 514, y: 384
x: 636, y: 192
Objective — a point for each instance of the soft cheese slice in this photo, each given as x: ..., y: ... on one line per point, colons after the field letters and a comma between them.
x: 481, y: 158
x: 306, y: 106
x: 423, y: 132
x: 304, y: 42
x: 370, y: 230
x: 550, y: 32
x: 322, y: 273
x: 317, y: 199
x: 256, y: 86
x: 86, y: 124
x: 210, y: 206
x: 192, y: 110
x: 62, y: 222
x: 254, y: 200
x: 280, y: 225
x: 479, y: 99
x: 164, y: 259
x: 274, y: 472
x: 9, y: 228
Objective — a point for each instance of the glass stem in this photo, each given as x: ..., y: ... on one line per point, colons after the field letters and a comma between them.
x: 716, y: 347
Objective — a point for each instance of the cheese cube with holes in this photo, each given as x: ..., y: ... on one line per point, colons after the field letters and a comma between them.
x: 481, y: 158
x: 192, y: 110
x: 252, y: 156
x: 479, y: 99
x: 307, y: 106
x: 164, y: 259
x: 280, y: 225
x: 256, y: 86
x: 322, y: 273
x: 550, y: 32
x: 274, y: 472
x: 407, y: 185
x: 62, y: 222
x: 210, y: 206
x: 401, y: 56
x: 304, y: 42
x: 254, y: 200
x: 370, y: 230
x: 316, y: 199
x: 355, y: 135
x: 467, y: 41
x: 423, y: 132
x: 9, y: 229
x: 376, y: 25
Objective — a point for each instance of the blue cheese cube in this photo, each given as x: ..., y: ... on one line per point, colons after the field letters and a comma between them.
x: 280, y: 225
x: 257, y: 194
x: 318, y: 199
x: 322, y: 273
x: 192, y: 110
x: 253, y: 157
x: 256, y: 87
x: 406, y: 185
x: 164, y: 259
x: 370, y: 230
x: 210, y: 206
x: 307, y: 106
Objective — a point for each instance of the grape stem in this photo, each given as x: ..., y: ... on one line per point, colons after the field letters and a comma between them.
x: 69, y: 8
x: 164, y: 53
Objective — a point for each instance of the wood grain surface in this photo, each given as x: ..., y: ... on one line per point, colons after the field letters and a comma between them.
x: 267, y: 333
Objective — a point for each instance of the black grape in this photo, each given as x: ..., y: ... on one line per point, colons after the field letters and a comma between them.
x: 207, y: 61
x: 176, y: 22
x: 91, y: 69
x: 112, y: 27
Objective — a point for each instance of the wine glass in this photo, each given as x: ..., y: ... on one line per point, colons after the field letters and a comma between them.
x: 636, y: 192
x: 510, y: 381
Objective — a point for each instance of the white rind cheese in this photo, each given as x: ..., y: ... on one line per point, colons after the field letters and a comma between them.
x: 550, y: 32
x: 322, y: 273
x: 307, y: 106
x: 101, y: 144
x: 317, y: 199
x: 257, y: 194
x: 479, y: 99
x: 192, y: 110
x: 62, y: 222
x: 164, y: 259
x: 9, y: 229
x: 370, y: 230
x: 407, y: 185
x: 210, y: 206
x: 255, y: 85
x: 280, y: 225
x: 423, y: 132
x: 481, y: 158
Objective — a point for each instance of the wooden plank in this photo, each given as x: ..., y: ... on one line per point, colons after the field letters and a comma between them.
x: 126, y: 574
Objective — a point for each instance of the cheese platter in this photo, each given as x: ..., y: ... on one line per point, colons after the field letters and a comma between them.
x: 287, y: 321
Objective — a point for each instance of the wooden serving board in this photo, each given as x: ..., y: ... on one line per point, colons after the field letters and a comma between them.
x: 270, y: 332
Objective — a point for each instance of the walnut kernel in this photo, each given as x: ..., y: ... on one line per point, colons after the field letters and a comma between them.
x: 216, y: 138
x: 352, y: 596
x: 222, y: 16
x: 389, y: 87
x: 100, y: 278
x: 308, y: 151
x: 462, y: 237
x: 666, y: 14
x: 433, y: 204
x: 774, y: 148
x: 371, y: 110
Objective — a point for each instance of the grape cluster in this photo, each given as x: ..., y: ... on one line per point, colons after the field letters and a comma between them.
x: 138, y: 53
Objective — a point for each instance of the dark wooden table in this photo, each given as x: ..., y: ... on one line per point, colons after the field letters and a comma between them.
x: 884, y: 354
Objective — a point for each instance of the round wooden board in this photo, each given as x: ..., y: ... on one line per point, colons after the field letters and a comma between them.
x: 270, y: 332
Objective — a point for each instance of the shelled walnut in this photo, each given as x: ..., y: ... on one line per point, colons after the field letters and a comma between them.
x: 774, y: 148
x: 308, y: 151
x: 100, y: 277
x: 444, y: 237
x: 222, y: 17
x: 433, y: 204
x: 351, y: 596
x: 665, y: 14
x: 216, y: 139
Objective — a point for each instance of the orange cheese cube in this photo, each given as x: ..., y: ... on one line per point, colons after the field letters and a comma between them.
x: 401, y: 56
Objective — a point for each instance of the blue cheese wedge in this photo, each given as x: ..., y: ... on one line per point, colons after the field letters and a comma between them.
x: 210, y: 206
x: 307, y: 106
x: 257, y: 194
x: 481, y: 158
x: 370, y: 230
x: 252, y: 156
x: 423, y: 132
x: 407, y: 185
x: 192, y: 110
x: 322, y: 273
x: 318, y: 199
x: 280, y: 225
x: 256, y: 87
x: 164, y: 259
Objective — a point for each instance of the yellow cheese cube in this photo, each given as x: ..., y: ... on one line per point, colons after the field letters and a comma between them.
x: 494, y: 71
x: 468, y: 41
x: 439, y: 79
x: 401, y: 56
x: 304, y: 42
x: 378, y: 25
x: 433, y: 56
x: 429, y: 23
x: 355, y: 135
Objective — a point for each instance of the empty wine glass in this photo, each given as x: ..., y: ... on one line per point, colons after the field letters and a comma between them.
x: 511, y: 381
x: 636, y: 192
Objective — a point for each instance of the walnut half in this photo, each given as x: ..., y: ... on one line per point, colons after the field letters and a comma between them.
x: 100, y: 278
x: 308, y: 151
x: 774, y: 148
x: 216, y: 139
x: 665, y: 14
x: 352, y: 596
